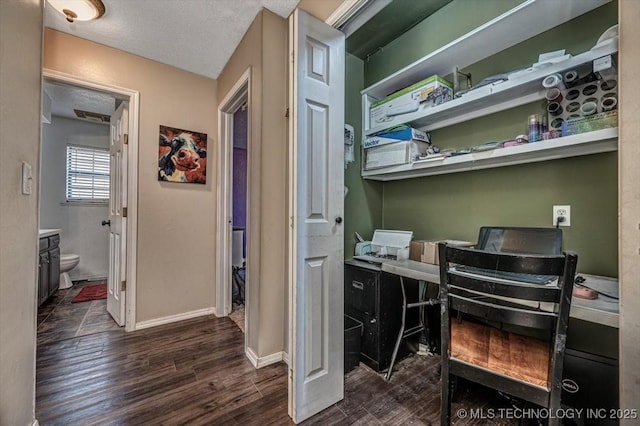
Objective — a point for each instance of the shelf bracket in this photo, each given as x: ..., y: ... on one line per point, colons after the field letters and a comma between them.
x: 456, y: 83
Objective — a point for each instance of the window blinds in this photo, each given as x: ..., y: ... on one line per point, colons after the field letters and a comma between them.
x: 87, y: 173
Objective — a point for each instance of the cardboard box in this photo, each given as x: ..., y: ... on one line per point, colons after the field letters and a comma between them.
x: 422, y: 95
x: 396, y: 136
x: 426, y: 251
x: 394, y: 154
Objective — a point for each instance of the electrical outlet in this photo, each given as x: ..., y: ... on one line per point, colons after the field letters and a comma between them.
x: 562, y: 211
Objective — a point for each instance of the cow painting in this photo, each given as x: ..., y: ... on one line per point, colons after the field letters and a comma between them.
x: 182, y: 156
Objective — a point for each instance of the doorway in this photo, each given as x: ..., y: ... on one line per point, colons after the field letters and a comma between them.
x: 239, y: 216
x: 85, y: 96
x: 233, y: 204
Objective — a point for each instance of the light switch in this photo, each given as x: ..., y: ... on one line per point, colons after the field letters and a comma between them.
x: 27, y: 178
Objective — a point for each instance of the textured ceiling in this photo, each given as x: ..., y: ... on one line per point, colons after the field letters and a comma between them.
x: 64, y: 99
x: 195, y: 35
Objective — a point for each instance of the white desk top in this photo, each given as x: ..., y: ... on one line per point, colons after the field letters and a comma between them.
x: 603, y: 310
x: 48, y: 232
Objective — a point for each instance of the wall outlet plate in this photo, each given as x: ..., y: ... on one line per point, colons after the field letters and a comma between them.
x: 562, y: 211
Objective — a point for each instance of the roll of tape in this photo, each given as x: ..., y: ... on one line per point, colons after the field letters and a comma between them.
x: 608, y: 103
x: 553, y: 80
x: 554, y: 95
x: 589, y: 108
x: 570, y: 77
x: 554, y: 108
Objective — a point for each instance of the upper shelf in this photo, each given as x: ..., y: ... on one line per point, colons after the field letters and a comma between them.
x: 492, y: 98
x: 605, y: 140
x: 528, y: 19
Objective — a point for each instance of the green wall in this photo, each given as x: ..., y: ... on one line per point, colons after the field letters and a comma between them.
x: 363, y: 203
x: 447, y: 24
x: 456, y: 205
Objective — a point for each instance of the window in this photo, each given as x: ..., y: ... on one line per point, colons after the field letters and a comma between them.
x: 87, y: 174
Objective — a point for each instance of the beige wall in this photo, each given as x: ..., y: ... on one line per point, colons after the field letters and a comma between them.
x: 176, y: 222
x: 20, y: 73
x: 629, y: 231
x: 264, y: 48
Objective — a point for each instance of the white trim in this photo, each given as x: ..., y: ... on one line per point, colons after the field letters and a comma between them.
x: 259, y: 362
x: 132, y: 184
x: 353, y: 14
x: 285, y: 358
x: 345, y: 11
x: 238, y: 95
x: 35, y: 423
x: 89, y: 277
x: 175, y: 318
x: 252, y: 357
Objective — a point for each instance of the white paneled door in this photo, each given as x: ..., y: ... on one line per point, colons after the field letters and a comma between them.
x: 316, y: 180
x: 118, y: 213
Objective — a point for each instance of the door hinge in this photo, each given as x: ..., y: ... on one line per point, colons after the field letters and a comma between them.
x: 124, y: 212
x: 293, y: 57
x: 286, y: 113
x: 126, y: 138
x: 123, y: 286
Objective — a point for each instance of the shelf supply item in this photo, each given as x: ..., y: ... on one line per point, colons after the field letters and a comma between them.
x: 550, y: 134
x: 554, y: 94
x: 424, y: 94
x: 534, y: 128
x: 570, y: 77
x: 608, y: 103
x: 554, y: 109
x: 553, y: 80
x: 589, y: 108
x: 582, y: 74
x: 605, y: 67
x: 396, y: 134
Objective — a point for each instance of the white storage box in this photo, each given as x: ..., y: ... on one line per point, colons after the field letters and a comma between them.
x: 424, y: 94
x: 393, y: 154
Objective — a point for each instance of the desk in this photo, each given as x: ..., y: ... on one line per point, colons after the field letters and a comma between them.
x: 603, y: 310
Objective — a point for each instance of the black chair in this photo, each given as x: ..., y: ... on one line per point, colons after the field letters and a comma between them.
x: 506, y: 335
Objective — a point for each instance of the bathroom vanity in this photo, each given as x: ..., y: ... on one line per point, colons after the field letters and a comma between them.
x: 48, y: 264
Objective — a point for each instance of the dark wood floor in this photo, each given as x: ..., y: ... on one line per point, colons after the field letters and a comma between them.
x: 59, y: 319
x: 195, y: 372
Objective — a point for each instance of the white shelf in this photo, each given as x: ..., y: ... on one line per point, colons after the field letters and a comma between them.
x: 512, y: 27
x: 489, y: 99
x: 605, y: 140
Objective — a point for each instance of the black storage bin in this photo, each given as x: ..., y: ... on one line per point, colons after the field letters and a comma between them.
x: 352, y: 337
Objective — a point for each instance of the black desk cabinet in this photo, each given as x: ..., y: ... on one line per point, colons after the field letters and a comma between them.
x: 374, y: 298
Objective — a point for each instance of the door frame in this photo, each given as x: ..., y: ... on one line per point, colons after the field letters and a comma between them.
x: 238, y: 95
x: 132, y: 182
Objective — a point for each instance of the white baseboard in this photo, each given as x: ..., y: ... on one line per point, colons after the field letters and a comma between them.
x: 252, y: 357
x: 174, y: 318
x: 285, y: 358
x: 259, y: 362
x: 94, y: 277
x: 35, y: 423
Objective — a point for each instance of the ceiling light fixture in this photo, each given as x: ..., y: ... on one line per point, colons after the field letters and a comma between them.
x: 79, y: 10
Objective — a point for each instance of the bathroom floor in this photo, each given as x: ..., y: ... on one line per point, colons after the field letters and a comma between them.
x: 59, y: 319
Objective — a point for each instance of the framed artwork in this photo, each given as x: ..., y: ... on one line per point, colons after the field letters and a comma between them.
x: 182, y: 156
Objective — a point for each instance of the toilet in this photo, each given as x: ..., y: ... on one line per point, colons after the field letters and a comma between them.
x: 67, y: 263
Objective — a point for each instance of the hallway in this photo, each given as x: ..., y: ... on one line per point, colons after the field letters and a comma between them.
x: 195, y: 372
x: 59, y: 319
